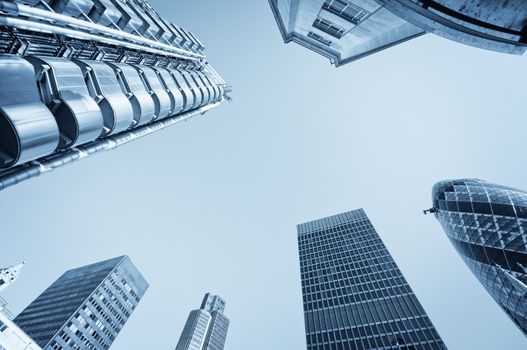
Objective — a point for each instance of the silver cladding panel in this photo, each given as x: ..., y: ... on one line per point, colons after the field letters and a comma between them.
x: 159, y: 94
x: 142, y: 102
x: 28, y: 130
x: 116, y: 109
x: 188, y: 95
x: 176, y: 96
x: 62, y: 83
x: 194, y: 87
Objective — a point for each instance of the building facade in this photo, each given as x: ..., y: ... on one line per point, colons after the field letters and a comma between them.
x: 85, y: 308
x: 11, y: 336
x: 85, y: 76
x: 487, y: 224
x: 346, y: 30
x: 355, y: 296
x: 207, y: 327
x: 9, y: 275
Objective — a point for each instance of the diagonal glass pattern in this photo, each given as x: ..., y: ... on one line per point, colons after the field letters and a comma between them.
x: 487, y: 224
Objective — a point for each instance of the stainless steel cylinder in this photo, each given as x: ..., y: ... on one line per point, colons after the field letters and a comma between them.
x: 117, y: 111
x: 27, y: 128
x: 176, y: 96
x: 157, y: 91
x: 64, y: 91
x: 136, y: 91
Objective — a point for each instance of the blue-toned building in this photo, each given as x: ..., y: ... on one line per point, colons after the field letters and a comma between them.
x: 355, y: 297
x: 346, y: 30
x: 85, y: 308
x: 84, y: 76
x: 206, y: 328
x: 487, y: 224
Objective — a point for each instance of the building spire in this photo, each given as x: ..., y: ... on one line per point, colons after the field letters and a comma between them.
x: 9, y: 275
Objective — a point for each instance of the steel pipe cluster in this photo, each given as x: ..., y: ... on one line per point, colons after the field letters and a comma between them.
x: 126, y: 23
x: 50, y: 104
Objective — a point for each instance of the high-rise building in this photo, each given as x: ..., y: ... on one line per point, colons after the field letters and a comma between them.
x: 346, y: 30
x: 85, y: 308
x: 9, y: 275
x: 487, y: 224
x: 206, y: 328
x: 85, y: 76
x: 355, y: 296
x: 11, y: 336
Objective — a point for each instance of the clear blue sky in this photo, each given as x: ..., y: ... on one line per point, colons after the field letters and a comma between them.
x: 212, y: 204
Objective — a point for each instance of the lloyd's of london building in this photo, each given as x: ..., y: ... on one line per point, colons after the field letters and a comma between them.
x: 84, y: 76
x: 346, y: 30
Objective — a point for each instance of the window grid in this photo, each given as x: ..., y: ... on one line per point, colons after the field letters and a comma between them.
x: 346, y: 10
x: 329, y: 28
x: 355, y: 296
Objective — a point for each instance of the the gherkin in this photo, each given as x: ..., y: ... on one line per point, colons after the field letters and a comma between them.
x: 487, y: 224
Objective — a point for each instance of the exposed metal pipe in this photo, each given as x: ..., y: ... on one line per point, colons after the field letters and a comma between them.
x: 31, y: 12
x: 36, y: 168
x: 50, y: 29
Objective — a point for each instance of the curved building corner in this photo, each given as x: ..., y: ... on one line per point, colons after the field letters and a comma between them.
x: 487, y: 224
x: 498, y: 25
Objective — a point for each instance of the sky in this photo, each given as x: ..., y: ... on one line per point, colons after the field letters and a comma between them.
x: 212, y: 204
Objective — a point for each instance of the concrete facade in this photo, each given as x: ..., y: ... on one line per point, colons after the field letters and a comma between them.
x: 346, y: 30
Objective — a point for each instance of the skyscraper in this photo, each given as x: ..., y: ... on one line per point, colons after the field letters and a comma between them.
x: 85, y: 308
x: 487, y: 224
x: 9, y: 275
x: 346, y: 30
x: 206, y: 328
x: 85, y: 76
x: 355, y: 296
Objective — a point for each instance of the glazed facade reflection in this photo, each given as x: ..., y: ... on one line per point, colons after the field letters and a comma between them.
x: 86, y: 308
x: 206, y: 328
x: 487, y: 224
x: 355, y: 296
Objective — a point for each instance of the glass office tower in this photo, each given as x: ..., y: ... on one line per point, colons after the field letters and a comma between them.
x: 487, y: 224
x: 206, y: 328
x: 85, y: 76
x: 355, y: 296
x: 85, y: 308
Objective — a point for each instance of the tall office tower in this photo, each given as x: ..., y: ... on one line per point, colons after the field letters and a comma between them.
x: 206, y: 328
x: 487, y: 224
x: 346, y: 30
x: 85, y: 76
x: 85, y: 308
x: 355, y: 296
x: 9, y: 275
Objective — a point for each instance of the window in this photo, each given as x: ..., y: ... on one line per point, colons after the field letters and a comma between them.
x: 348, y: 11
x: 329, y: 27
x: 319, y: 38
x: 3, y: 326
